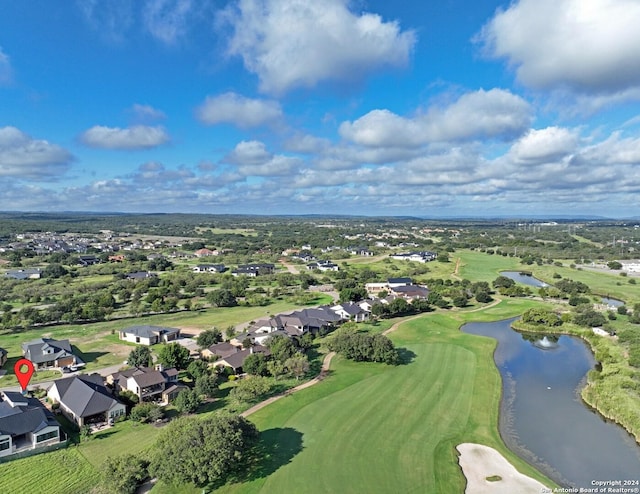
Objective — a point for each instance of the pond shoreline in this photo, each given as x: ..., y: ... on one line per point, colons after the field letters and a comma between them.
x: 608, y: 415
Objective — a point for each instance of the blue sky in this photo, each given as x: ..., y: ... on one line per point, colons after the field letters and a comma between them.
x: 432, y: 108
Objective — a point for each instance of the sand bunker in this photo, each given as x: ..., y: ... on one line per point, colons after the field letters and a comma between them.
x: 488, y: 472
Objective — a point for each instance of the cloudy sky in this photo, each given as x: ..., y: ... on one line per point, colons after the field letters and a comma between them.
x: 428, y: 108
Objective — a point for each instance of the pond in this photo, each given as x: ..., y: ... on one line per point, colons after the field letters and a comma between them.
x: 612, y: 302
x: 544, y: 420
x: 524, y: 278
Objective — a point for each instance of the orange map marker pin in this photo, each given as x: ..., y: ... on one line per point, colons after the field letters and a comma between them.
x: 23, y: 375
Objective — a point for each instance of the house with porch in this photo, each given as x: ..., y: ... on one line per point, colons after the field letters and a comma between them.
x: 25, y: 424
x: 147, y: 383
x: 84, y: 399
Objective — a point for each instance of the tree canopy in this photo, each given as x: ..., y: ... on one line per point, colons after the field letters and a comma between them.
x: 140, y: 356
x: 202, y: 451
x: 174, y: 355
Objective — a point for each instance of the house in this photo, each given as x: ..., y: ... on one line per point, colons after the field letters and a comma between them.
x: 141, y: 275
x: 422, y: 256
x: 3, y: 356
x: 149, y: 335
x: 209, y: 268
x: 236, y: 361
x: 25, y: 424
x: 205, y: 253
x: 45, y: 353
x: 24, y: 274
x: 220, y: 350
x: 323, y: 266
x: 88, y: 260
x: 85, y: 399
x: 147, y: 383
x: 254, y: 270
x: 376, y: 288
x: 351, y: 312
x: 361, y: 251
x: 410, y: 292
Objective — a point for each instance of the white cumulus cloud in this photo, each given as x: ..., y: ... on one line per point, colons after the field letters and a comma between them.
x: 23, y: 156
x: 136, y: 137
x: 253, y: 159
x: 238, y: 110
x: 585, y: 45
x: 496, y: 113
x: 545, y: 145
x: 297, y: 43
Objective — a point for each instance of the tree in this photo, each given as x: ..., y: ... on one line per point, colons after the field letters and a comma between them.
x: 251, y: 389
x: 202, y: 451
x: 209, y: 337
x: 174, y: 355
x: 140, y: 356
x: 503, y: 282
x: 276, y: 368
x: 298, y: 365
x: 124, y: 474
x: 146, y: 412
x: 614, y: 265
x: 398, y: 307
x: 353, y: 294
x: 542, y: 317
x: 222, y: 298
x: 197, y: 369
x: 54, y: 271
x: 585, y: 316
x: 187, y: 401
x: 281, y: 347
x: 206, y: 385
x: 483, y: 297
x: 256, y: 364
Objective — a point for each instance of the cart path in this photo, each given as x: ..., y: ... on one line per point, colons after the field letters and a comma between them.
x: 326, y: 363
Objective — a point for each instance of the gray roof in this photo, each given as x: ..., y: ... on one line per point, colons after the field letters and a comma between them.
x: 85, y: 395
x: 237, y: 359
x: 36, y: 350
x: 149, y: 331
x: 145, y: 376
x: 20, y: 415
x: 223, y: 349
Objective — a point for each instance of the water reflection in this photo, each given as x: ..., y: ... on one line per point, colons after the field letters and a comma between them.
x: 543, y: 418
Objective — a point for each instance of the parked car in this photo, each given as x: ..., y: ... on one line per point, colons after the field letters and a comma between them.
x: 65, y: 370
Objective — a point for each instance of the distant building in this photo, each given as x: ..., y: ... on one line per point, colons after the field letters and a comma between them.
x: 149, y: 335
x: 24, y: 274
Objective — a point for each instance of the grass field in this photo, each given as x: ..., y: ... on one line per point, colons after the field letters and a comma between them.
x: 378, y: 429
x: 64, y: 471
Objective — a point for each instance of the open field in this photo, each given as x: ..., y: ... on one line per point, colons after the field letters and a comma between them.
x: 378, y: 429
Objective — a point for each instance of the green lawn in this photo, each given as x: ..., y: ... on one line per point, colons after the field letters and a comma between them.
x: 125, y: 437
x: 64, y: 471
x: 378, y: 429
